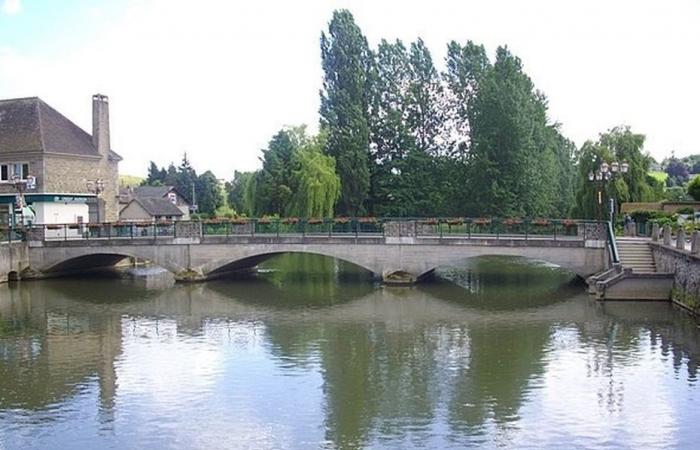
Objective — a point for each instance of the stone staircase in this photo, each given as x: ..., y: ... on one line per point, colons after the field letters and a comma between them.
x: 635, y: 254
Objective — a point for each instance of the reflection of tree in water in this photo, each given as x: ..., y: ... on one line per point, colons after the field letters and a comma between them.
x: 620, y: 333
x: 502, y: 363
x: 503, y: 283
x: 394, y: 362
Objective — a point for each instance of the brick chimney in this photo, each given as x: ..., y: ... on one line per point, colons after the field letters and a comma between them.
x: 100, y: 124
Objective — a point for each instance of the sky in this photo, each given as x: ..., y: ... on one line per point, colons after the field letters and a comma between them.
x: 217, y: 78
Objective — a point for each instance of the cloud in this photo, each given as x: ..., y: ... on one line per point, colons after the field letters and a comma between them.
x: 11, y: 7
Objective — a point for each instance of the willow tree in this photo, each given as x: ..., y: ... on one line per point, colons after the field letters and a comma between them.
x: 316, y: 183
x: 620, y: 144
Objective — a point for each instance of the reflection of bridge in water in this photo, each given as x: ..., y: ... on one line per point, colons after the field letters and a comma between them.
x: 403, y: 252
x: 65, y: 334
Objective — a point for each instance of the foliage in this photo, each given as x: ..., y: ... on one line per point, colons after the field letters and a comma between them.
x: 660, y: 176
x: 676, y: 194
x: 209, y: 196
x: 235, y: 191
x: 130, y: 180
x: 205, y: 188
x: 347, y: 62
x: 316, y: 184
x: 513, y: 154
x: 643, y: 215
x: 619, y: 144
x: 694, y: 188
x: 686, y: 210
x: 677, y: 172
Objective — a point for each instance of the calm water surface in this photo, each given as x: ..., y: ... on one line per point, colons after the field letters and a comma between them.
x: 313, y: 354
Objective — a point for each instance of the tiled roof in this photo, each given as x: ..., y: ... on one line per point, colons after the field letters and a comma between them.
x: 29, y: 124
x: 158, y: 206
x: 151, y: 191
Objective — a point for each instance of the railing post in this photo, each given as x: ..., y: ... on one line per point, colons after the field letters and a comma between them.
x: 555, y: 229
x: 65, y: 231
x: 469, y: 229
x: 667, y: 235
x: 252, y: 227
x: 695, y: 243
x: 330, y: 228
x: 131, y: 230
x: 680, y: 239
x: 277, y: 227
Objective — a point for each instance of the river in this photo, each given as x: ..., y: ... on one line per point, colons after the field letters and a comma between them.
x: 313, y: 353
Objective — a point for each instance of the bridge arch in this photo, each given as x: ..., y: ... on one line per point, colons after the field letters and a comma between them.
x: 223, y: 266
x: 73, y: 263
x: 559, y: 260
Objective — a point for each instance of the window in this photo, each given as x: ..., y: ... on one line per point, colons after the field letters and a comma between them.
x: 8, y: 171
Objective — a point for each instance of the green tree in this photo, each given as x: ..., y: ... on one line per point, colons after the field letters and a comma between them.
x: 274, y: 189
x: 390, y: 134
x: 316, y: 183
x: 156, y: 176
x: 512, y: 159
x: 618, y: 144
x: 235, y: 191
x: 346, y: 62
x: 208, y: 190
x: 694, y: 188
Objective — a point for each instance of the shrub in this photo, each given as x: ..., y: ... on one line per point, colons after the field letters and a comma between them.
x: 694, y: 188
x: 643, y: 215
x: 686, y: 210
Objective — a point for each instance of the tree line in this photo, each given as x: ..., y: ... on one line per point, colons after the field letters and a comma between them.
x: 398, y: 137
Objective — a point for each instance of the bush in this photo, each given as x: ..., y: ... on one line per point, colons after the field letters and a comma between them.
x: 694, y: 188
x: 686, y: 210
x: 643, y: 215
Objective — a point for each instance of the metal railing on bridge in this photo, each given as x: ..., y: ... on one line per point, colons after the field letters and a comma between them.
x: 357, y: 227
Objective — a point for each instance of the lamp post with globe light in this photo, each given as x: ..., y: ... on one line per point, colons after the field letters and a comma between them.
x: 601, y: 177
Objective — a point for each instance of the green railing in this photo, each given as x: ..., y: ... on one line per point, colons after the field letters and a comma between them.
x: 443, y: 227
x: 612, y: 243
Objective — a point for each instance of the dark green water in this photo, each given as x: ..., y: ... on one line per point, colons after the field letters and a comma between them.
x: 313, y: 354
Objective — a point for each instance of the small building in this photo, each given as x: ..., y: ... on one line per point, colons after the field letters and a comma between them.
x: 52, y: 168
x: 153, y: 203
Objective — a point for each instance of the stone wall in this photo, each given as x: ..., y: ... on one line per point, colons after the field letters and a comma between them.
x: 70, y: 174
x: 13, y: 260
x: 36, y: 168
x: 686, y: 269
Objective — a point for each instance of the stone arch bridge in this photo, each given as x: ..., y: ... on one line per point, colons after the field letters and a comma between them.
x: 403, y: 253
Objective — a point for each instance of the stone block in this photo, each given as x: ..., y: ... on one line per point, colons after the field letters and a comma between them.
x: 667, y: 235
x: 680, y: 239
x: 655, y: 232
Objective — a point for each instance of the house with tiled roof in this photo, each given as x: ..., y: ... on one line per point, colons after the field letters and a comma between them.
x: 153, y: 203
x: 54, y: 168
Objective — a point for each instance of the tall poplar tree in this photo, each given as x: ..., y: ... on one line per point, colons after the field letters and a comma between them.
x: 347, y: 61
x: 512, y: 159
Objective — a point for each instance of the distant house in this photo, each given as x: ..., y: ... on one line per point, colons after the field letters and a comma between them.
x: 51, y: 167
x: 153, y: 203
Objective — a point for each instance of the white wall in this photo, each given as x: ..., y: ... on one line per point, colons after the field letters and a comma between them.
x: 57, y: 212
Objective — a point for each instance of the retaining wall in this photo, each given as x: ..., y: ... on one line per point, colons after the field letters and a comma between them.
x: 686, y: 269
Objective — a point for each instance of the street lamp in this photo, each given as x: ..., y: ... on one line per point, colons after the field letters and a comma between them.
x: 97, y: 187
x: 605, y: 173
